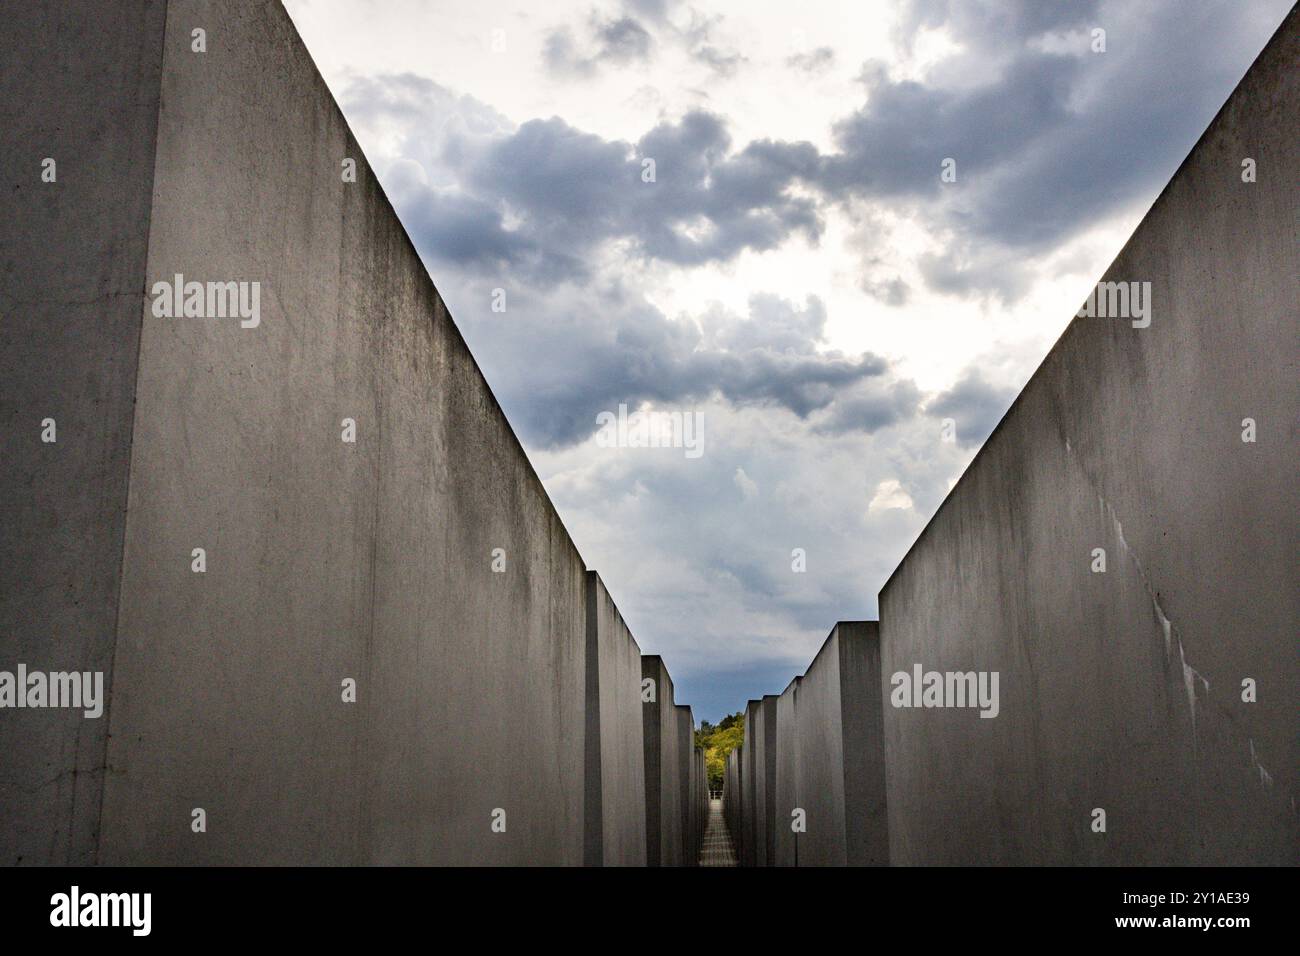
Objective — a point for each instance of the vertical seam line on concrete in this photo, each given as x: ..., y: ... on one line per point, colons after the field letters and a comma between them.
x: 130, y: 457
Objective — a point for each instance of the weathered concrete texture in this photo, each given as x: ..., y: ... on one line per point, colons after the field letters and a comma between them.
x: 685, y: 754
x: 325, y: 560
x: 788, y: 798
x: 732, y: 811
x: 699, y: 798
x: 79, y: 86
x: 758, y: 782
x: 763, y: 737
x: 841, y: 755
x: 423, y: 561
x: 745, y: 848
x: 615, y: 791
x: 1123, y: 690
x: 663, y: 767
x: 817, y: 752
x: 740, y: 810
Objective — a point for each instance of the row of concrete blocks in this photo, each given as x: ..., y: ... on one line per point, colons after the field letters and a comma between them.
x: 336, y: 617
x: 645, y: 797
x: 807, y: 787
x: 1119, y: 556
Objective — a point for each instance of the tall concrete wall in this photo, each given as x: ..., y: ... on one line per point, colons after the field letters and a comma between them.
x: 1122, y: 690
x: 866, y: 817
x: 788, y: 798
x: 763, y: 736
x: 615, y: 775
x: 325, y: 560
x: 699, y: 798
x: 747, y: 849
x: 732, y: 812
x: 424, y: 563
x: 818, y: 749
x: 80, y: 86
x: 820, y: 746
x: 663, y: 768
x: 841, y: 755
x: 1119, y: 555
x: 421, y: 564
x: 685, y: 754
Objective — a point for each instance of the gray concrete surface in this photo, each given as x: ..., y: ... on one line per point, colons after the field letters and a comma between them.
x: 732, y: 814
x: 663, y: 767
x: 866, y: 818
x: 685, y: 754
x: 749, y: 782
x: 841, y: 756
x: 615, y: 761
x: 819, y: 748
x: 79, y: 85
x: 480, y: 691
x: 764, y: 805
x: 326, y: 560
x: 699, y: 797
x: 1123, y: 690
x: 788, y: 798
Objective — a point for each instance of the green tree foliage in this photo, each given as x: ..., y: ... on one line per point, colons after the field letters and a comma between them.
x: 717, y: 742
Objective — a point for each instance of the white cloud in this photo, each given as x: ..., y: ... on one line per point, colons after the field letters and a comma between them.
x: 889, y: 496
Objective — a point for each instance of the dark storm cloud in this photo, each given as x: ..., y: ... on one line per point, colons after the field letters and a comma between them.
x: 470, y: 233
x: 989, y: 20
x: 619, y: 42
x: 1048, y: 137
x: 623, y: 40
x: 870, y: 406
x: 975, y: 405
x: 578, y: 353
x: 571, y: 191
x: 1061, y: 136
x: 896, y: 143
x: 541, y: 198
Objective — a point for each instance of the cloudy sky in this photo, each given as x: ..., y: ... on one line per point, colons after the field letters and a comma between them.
x: 798, y: 273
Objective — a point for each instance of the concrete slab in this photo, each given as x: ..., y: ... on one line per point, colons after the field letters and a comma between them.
x: 615, y: 755
x: 1122, y: 690
x: 662, y: 767
x: 80, y: 86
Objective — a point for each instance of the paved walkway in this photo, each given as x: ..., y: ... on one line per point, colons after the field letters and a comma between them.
x: 717, y: 849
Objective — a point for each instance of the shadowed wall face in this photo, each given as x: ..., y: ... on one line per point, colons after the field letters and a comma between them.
x: 827, y: 761
x: 685, y: 753
x: 615, y: 794
x: 1122, y: 690
x: 750, y: 831
x: 79, y: 87
x: 663, y: 768
x: 821, y: 759
x: 765, y: 806
x: 866, y: 818
x: 787, y: 775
